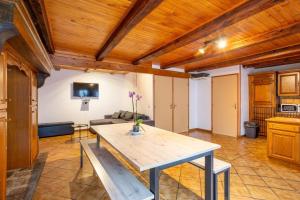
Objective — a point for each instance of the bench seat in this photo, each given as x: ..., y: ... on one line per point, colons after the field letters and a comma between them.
x: 119, y: 183
x: 219, y: 165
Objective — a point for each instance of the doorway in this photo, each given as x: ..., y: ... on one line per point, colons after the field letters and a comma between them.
x: 226, y: 104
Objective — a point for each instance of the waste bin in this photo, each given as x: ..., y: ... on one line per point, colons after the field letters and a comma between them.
x: 251, y: 129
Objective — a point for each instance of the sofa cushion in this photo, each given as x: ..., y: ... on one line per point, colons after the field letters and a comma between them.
x: 118, y: 121
x: 100, y: 122
x: 116, y: 115
x: 128, y: 116
x: 55, y: 124
x: 122, y: 114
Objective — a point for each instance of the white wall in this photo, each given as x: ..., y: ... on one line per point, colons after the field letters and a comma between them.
x: 200, y: 96
x: 145, y: 88
x: 56, y: 104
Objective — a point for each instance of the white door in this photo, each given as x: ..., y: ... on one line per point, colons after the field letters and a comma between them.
x: 225, y: 105
x: 163, y: 102
x: 181, y: 104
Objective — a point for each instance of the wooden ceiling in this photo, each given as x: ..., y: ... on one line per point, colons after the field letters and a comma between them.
x: 139, y: 33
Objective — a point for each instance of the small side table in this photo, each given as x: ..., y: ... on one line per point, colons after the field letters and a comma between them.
x: 80, y: 127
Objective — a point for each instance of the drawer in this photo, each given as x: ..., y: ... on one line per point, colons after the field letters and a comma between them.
x: 284, y: 127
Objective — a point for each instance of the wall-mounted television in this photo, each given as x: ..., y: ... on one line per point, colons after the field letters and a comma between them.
x: 85, y: 89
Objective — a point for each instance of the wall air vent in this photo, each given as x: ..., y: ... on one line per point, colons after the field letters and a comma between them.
x: 199, y: 75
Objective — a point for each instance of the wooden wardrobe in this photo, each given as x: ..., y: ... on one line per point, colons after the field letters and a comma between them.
x: 171, y: 103
x: 18, y: 114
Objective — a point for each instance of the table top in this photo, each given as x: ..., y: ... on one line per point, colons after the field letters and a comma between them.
x: 153, y: 148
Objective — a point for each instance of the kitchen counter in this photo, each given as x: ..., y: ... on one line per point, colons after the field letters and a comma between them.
x: 284, y: 138
x: 284, y: 120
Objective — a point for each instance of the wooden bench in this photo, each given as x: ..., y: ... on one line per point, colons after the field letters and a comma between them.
x: 119, y: 183
x: 219, y: 167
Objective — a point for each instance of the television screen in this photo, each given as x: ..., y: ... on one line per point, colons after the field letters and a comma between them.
x: 85, y: 89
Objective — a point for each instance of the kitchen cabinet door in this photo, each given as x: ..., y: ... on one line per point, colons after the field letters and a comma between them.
x: 288, y: 84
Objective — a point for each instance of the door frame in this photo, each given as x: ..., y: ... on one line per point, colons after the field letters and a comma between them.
x: 238, y: 101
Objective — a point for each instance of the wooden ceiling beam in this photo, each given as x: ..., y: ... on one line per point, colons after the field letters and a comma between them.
x: 138, y: 11
x: 247, y: 44
x: 64, y: 61
x: 227, y: 19
x: 275, y: 62
x: 261, y: 57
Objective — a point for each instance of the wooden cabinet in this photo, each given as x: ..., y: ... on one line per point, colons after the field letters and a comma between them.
x: 262, y: 98
x: 3, y: 121
x: 288, y: 84
x: 171, y: 107
x: 22, y: 125
x: 284, y: 139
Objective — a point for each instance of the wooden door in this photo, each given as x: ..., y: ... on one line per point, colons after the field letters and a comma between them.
x: 225, y: 105
x: 18, y: 126
x: 262, y: 99
x: 163, y: 103
x: 180, y: 105
x: 288, y: 84
x: 3, y: 155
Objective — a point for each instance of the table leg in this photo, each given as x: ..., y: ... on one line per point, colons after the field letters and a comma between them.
x: 154, y: 182
x: 98, y: 140
x: 81, y: 156
x: 79, y: 133
x: 209, y: 176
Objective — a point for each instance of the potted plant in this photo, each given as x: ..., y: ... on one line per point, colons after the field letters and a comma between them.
x: 135, y: 98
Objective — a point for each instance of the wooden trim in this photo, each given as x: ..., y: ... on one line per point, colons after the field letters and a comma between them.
x: 138, y: 11
x: 39, y: 15
x: 25, y: 38
x: 242, y: 45
x: 238, y: 101
x: 223, y: 21
x: 90, y: 63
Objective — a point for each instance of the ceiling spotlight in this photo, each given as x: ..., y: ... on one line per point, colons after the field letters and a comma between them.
x: 201, y: 50
x: 222, y: 43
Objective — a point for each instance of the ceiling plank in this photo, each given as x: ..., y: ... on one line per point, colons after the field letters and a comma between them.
x: 268, y: 55
x: 139, y: 10
x: 38, y: 14
x: 64, y: 61
x: 227, y: 19
x: 247, y: 43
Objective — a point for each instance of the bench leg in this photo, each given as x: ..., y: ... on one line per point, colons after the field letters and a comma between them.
x: 227, y: 184
x: 154, y: 182
x: 81, y: 156
x: 215, y: 187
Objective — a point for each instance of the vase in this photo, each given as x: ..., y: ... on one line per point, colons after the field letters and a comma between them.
x: 136, y: 128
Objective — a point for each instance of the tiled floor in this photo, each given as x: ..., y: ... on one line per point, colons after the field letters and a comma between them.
x: 253, y: 174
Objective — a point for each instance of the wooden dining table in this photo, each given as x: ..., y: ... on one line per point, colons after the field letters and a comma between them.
x: 156, y: 149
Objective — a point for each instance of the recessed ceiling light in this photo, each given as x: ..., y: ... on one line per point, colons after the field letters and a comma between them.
x: 201, y: 50
x: 222, y: 43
